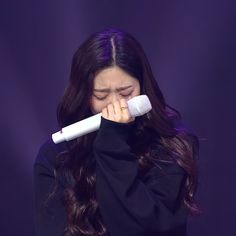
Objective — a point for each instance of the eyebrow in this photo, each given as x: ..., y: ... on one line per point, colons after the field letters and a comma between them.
x: 118, y: 89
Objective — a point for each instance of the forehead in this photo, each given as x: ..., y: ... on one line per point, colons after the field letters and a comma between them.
x: 113, y: 77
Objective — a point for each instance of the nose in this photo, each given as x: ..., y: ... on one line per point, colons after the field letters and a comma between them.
x: 115, y: 97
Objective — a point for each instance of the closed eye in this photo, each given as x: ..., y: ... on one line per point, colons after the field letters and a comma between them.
x: 100, y: 98
x: 126, y: 95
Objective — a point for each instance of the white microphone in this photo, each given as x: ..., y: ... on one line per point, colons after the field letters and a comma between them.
x: 137, y: 106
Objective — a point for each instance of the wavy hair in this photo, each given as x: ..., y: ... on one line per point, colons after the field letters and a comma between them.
x: 76, y: 166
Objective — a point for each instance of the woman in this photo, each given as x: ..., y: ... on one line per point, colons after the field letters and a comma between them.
x: 134, y: 176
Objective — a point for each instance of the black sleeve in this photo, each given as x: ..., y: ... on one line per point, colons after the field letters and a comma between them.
x: 131, y: 206
x: 49, y: 215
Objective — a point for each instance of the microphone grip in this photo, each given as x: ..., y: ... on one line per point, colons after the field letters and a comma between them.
x: 78, y: 129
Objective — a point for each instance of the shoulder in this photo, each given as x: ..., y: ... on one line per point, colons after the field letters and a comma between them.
x: 47, y: 153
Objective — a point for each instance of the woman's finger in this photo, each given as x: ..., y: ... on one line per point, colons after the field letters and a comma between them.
x: 125, y: 114
x: 117, y: 110
x: 105, y: 113
x: 111, y: 112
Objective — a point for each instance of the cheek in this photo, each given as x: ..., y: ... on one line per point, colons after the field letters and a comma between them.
x: 96, y: 106
x: 136, y: 92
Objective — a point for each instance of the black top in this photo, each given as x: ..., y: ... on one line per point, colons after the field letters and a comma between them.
x: 129, y: 205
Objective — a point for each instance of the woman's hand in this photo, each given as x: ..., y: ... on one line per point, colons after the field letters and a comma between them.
x: 118, y: 112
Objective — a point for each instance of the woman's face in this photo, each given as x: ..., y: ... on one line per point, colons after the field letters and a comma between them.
x: 111, y: 85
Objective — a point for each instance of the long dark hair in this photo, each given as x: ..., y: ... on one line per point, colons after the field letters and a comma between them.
x: 113, y: 47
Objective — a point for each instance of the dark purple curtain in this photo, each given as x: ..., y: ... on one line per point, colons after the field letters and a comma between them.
x: 191, y: 48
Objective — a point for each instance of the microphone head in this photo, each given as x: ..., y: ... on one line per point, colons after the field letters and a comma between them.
x: 139, y: 105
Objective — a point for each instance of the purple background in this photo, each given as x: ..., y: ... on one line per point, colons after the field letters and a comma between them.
x: 191, y: 48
